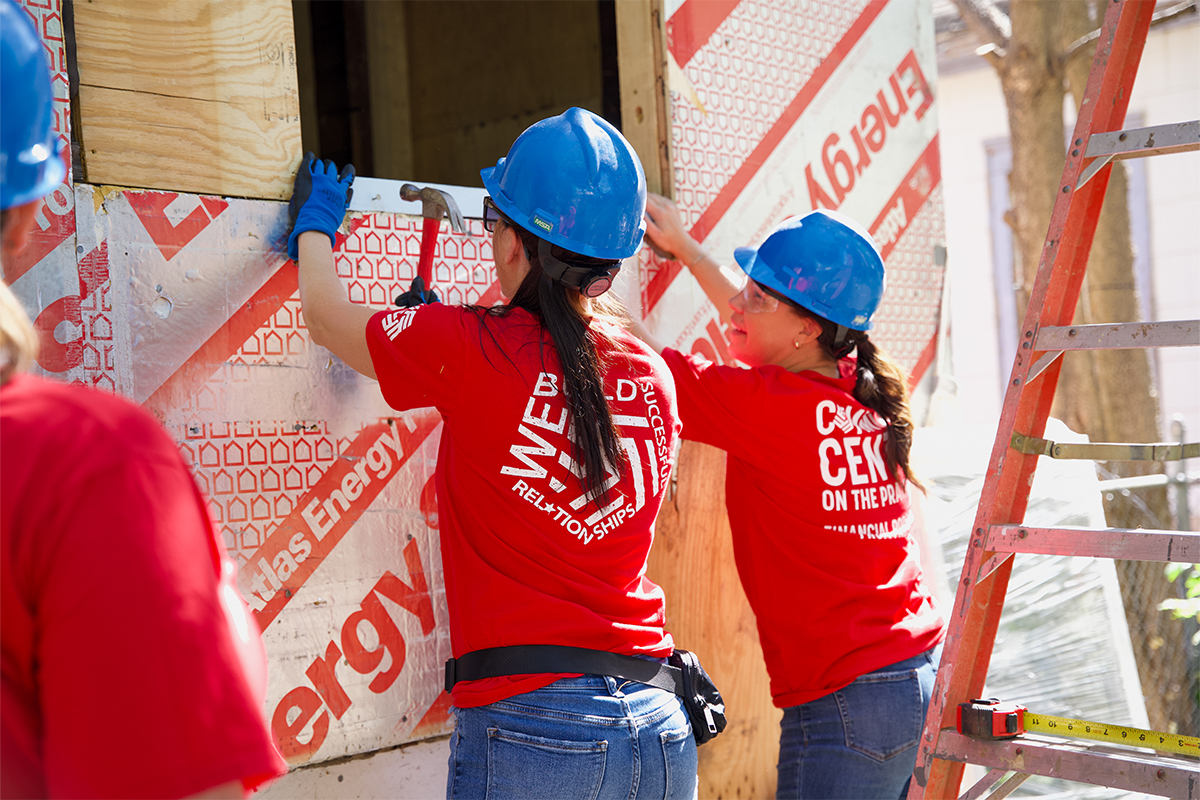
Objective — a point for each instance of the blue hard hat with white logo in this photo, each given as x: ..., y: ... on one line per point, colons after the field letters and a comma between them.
x: 823, y: 261
x: 30, y: 166
x: 574, y: 181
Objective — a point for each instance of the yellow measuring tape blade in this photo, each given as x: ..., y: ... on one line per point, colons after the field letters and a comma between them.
x: 1113, y: 734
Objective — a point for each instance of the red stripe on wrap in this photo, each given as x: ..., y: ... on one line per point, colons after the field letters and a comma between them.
x: 693, y: 23
x: 755, y: 161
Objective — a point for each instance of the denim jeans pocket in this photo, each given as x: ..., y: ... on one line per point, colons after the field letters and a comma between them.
x: 882, y: 713
x: 524, y: 766
x: 680, y: 764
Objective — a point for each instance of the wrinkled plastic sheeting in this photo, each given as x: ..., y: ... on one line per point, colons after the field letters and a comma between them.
x: 1063, y: 645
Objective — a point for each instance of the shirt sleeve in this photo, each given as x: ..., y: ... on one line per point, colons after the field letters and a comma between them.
x: 418, y: 354
x: 718, y: 405
x: 144, y: 688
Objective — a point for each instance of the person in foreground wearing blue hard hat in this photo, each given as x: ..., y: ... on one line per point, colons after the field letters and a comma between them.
x: 559, y: 429
x: 817, y: 431
x: 131, y: 666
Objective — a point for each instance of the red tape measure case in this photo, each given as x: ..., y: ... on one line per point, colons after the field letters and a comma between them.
x: 991, y: 719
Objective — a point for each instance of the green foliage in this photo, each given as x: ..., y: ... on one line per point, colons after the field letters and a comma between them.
x: 1187, y: 607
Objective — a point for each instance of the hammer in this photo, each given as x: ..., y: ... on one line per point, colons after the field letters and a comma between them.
x: 434, y: 203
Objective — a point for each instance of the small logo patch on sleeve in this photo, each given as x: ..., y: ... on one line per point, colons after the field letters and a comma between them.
x: 395, y: 322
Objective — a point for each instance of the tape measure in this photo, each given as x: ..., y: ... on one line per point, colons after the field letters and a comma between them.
x: 1113, y: 734
x: 992, y: 719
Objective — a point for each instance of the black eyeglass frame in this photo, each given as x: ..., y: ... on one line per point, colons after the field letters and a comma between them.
x: 491, y: 214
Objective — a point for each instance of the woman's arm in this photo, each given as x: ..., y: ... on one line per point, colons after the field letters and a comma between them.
x: 665, y: 232
x: 318, y: 205
x: 333, y: 321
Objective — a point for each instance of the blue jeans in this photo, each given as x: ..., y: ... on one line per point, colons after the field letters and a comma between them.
x: 861, y: 741
x: 591, y: 737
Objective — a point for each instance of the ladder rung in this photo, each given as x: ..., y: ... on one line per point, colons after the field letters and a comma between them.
x: 1134, y: 545
x: 1104, y: 451
x: 1126, y: 335
x: 1099, y: 765
x: 1178, y: 137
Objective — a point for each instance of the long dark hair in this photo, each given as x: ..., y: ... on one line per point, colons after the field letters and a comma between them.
x: 880, y: 384
x: 559, y: 309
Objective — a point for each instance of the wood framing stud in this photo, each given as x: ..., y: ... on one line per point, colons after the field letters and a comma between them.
x: 642, y: 54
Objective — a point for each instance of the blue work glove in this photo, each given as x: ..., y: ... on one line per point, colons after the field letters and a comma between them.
x: 417, y: 295
x: 319, y: 200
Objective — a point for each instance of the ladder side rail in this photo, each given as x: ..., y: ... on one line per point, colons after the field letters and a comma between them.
x: 1006, y: 491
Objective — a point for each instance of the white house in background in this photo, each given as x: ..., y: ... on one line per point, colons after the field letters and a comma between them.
x: 1164, y: 204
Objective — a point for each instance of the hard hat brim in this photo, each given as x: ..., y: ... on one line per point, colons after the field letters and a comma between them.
x: 49, y: 171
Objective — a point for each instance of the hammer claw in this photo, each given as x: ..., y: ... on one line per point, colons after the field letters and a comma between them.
x: 457, y: 224
x: 435, y: 203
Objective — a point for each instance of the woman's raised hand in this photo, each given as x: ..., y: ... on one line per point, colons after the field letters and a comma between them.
x: 666, y: 236
x: 664, y: 229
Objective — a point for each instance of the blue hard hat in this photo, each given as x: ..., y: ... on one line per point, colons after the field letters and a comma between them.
x: 574, y: 181
x: 823, y: 261
x: 30, y: 166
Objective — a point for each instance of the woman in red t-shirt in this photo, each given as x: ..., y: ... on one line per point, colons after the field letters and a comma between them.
x: 818, y: 433
x: 556, y: 446
x: 129, y: 664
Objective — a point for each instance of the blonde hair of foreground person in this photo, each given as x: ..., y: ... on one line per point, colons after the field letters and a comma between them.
x: 18, y: 340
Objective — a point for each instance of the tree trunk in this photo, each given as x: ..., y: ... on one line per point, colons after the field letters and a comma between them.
x: 1032, y: 82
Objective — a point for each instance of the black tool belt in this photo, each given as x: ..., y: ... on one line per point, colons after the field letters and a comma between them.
x: 681, y: 675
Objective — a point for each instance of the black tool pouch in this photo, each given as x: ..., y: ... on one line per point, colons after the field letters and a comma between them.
x: 700, y: 696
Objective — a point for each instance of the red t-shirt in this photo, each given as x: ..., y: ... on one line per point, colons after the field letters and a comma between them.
x: 121, y: 674
x: 822, y: 534
x: 527, y: 558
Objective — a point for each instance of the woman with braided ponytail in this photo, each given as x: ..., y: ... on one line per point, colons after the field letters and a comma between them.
x: 817, y: 431
x: 557, y: 439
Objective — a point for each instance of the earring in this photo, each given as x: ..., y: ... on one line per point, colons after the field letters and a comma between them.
x: 796, y: 343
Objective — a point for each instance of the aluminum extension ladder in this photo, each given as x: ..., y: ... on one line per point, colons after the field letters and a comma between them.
x: 998, y: 533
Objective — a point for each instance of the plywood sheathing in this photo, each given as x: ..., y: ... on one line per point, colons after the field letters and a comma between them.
x: 707, y: 613
x: 189, y: 95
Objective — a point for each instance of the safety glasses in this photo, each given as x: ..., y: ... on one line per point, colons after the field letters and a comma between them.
x: 491, y: 214
x: 757, y: 301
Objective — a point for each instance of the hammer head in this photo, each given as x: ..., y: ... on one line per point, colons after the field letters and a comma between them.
x: 434, y: 203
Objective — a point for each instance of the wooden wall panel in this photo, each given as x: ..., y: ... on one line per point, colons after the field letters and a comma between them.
x: 707, y: 613
x: 189, y: 95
